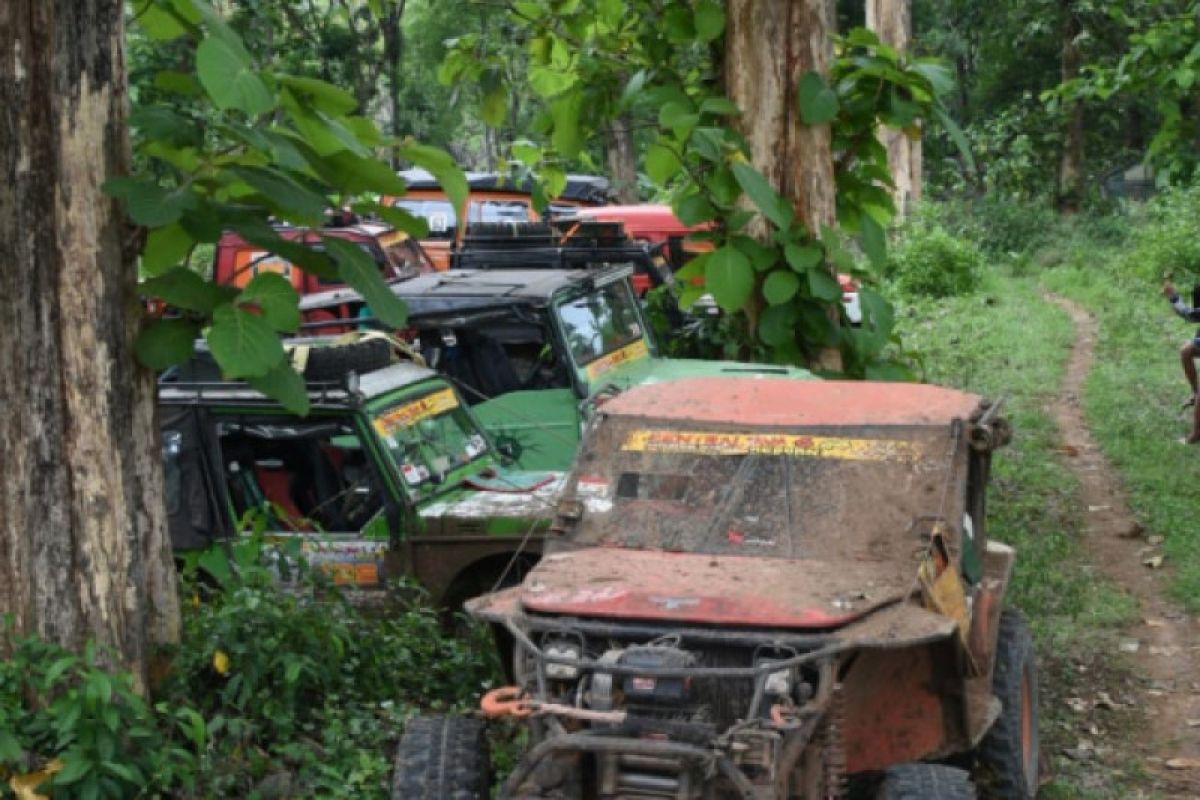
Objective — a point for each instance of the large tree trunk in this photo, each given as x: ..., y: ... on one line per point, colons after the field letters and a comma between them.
x: 83, y: 544
x: 769, y: 47
x: 622, y: 159
x: 393, y: 55
x: 891, y: 20
x: 1070, y: 174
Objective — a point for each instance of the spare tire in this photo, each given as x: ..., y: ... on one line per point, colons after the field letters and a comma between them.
x: 334, y: 362
x: 495, y: 233
x: 442, y: 758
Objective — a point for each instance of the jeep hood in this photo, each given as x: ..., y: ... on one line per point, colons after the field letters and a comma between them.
x: 619, y: 583
x: 506, y: 495
x: 655, y: 370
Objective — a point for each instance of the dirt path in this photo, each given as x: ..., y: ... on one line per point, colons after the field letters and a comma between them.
x: 1165, y: 658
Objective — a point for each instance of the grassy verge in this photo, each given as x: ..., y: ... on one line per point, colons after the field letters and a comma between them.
x: 1132, y: 402
x: 1007, y: 341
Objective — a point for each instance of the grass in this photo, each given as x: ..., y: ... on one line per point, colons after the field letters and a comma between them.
x: 1007, y: 341
x: 1132, y: 402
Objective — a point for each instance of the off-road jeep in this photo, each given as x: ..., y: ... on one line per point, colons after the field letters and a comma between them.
x: 761, y: 588
x: 389, y: 475
x: 534, y: 350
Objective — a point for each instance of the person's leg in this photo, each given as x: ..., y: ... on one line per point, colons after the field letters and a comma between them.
x: 1194, y: 436
x: 1187, y: 355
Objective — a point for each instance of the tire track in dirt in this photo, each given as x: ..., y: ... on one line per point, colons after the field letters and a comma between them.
x: 1165, y: 661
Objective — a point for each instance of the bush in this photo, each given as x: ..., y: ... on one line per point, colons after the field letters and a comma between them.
x: 930, y: 261
x: 1164, y: 238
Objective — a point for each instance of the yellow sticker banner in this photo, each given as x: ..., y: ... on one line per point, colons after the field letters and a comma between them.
x: 772, y: 444
x: 403, y: 416
x: 630, y: 352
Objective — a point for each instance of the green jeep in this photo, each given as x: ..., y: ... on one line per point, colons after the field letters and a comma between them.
x: 536, y: 349
x: 389, y: 475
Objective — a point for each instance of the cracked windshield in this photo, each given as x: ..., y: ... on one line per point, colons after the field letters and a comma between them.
x: 600, y: 323
x: 428, y: 436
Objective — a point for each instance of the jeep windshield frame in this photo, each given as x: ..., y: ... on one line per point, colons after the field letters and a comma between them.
x: 431, y: 439
x: 600, y: 320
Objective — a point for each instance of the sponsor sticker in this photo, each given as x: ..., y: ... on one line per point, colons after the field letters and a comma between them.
x: 773, y: 444
x: 630, y: 352
x: 403, y: 416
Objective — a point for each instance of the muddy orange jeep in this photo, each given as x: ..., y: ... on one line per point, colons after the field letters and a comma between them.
x: 763, y: 588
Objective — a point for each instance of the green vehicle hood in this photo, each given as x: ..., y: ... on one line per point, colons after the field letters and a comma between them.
x: 509, y: 502
x: 654, y: 370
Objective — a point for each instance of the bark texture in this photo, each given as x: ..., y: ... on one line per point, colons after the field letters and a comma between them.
x: 891, y: 20
x: 622, y: 159
x: 83, y: 545
x: 1070, y: 173
x: 769, y: 46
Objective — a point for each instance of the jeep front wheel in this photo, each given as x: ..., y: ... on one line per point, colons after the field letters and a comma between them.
x: 925, y: 782
x: 442, y: 758
x: 1009, y: 751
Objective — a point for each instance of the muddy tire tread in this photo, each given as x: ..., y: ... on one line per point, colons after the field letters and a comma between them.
x: 442, y: 758
x: 925, y: 782
x: 1000, y: 752
x: 336, y: 361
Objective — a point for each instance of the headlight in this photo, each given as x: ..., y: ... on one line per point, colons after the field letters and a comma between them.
x: 563, y: 649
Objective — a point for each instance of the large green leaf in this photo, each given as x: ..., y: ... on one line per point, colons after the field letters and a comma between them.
x: 493, y: 110
x: 662, y: 164
x: 567, y: 137
x: 325, y: 96
x: 165, y: 248
x: 166, y: 342
x: 326, y: 135
x: 243, y: 343
x: 730, y: 277
x: 148, y: 203
x: 359, y: 270
x: 259, y: 233
x: 291, y: 199
x: 694, y: 209
x: 780, y: 286
x: 709, y: 20
x: 764, y: 197
x: 276, y: 298
x: 157, y: 21
x: 823, y: 285
x: 818, y: 103
x: 229, y: 79
x: 874, y: 241
x: 185, y: 289
x: 398, y: 218
x: 802, y: 258
x: 957, y: 136
x: 285, y: 385
x: 442, y: 166
x: 777, y: 325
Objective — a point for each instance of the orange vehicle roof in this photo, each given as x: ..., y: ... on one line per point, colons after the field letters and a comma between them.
x: 784, y: 402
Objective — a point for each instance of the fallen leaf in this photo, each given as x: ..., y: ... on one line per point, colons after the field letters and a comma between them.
x: 1193, y: 723
x: 1153, y: 562
x: 1155, y: 623
x: 1183, y: 763
x: 1166, y: 650
x: 1094, y: 509
x: 1129, y: 645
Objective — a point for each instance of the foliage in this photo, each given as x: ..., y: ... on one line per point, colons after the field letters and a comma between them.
x: 1163, y: 240
x: 275, y: 687
x: 249, y: 145
x: 931, y: 261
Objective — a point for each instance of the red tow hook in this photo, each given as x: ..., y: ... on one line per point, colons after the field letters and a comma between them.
x: 506, y: 701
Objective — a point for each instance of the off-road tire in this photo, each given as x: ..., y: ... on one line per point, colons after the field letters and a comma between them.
x: 1009, y: 750
x: 334, y: 362
x: 925, y: 782
x: 442, y: 758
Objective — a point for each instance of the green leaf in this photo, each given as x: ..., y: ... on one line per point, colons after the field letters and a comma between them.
x: 566, y: 135
x: 823, y: 286
x: 165, y: 248
x: 633, y: 89
x: 761, y: 256
x: 158, y: 22
x: 442, y: 166
x: 803, y: 258
x: 780, y: 286
x: 526, y: 152
x: 707, y: 143
x: 74, y: 770
x: 777, y: 325
x: 185, y: 289
x: 721, y: 106
x: 244, y: 344
x: 679, y: 24
x: 165, y: 342
x: 165, y: 124
x: 763, y: 195
x: 874, y: 241
x: 679, y: 117
x: 694, y: 209
x: 175, y: 82
x: 276, y: 298
x: 229, y: 79
x: 286, y: 386
x: 818, y: 103
x: 493, y: 110
x: 359, y: 270
x: 326, y: 136
x: 957, y: 136
x: 730, y: 277
x: 310, y: 260
x: 549, y: 82
x: 354, y: 174
x: 709, y: 20
x: 289, y: 198
x: 398, y: 218
x: 148, y: 203
x: 661, y: 164
x: 325, y: 96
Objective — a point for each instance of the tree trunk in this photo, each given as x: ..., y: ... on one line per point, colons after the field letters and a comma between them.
x: 622, y: 159
x: 1070, y: 173
x: 393, y: 55
x: 84, y: 553
x: 891, y: 20
x: 769, y: 47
